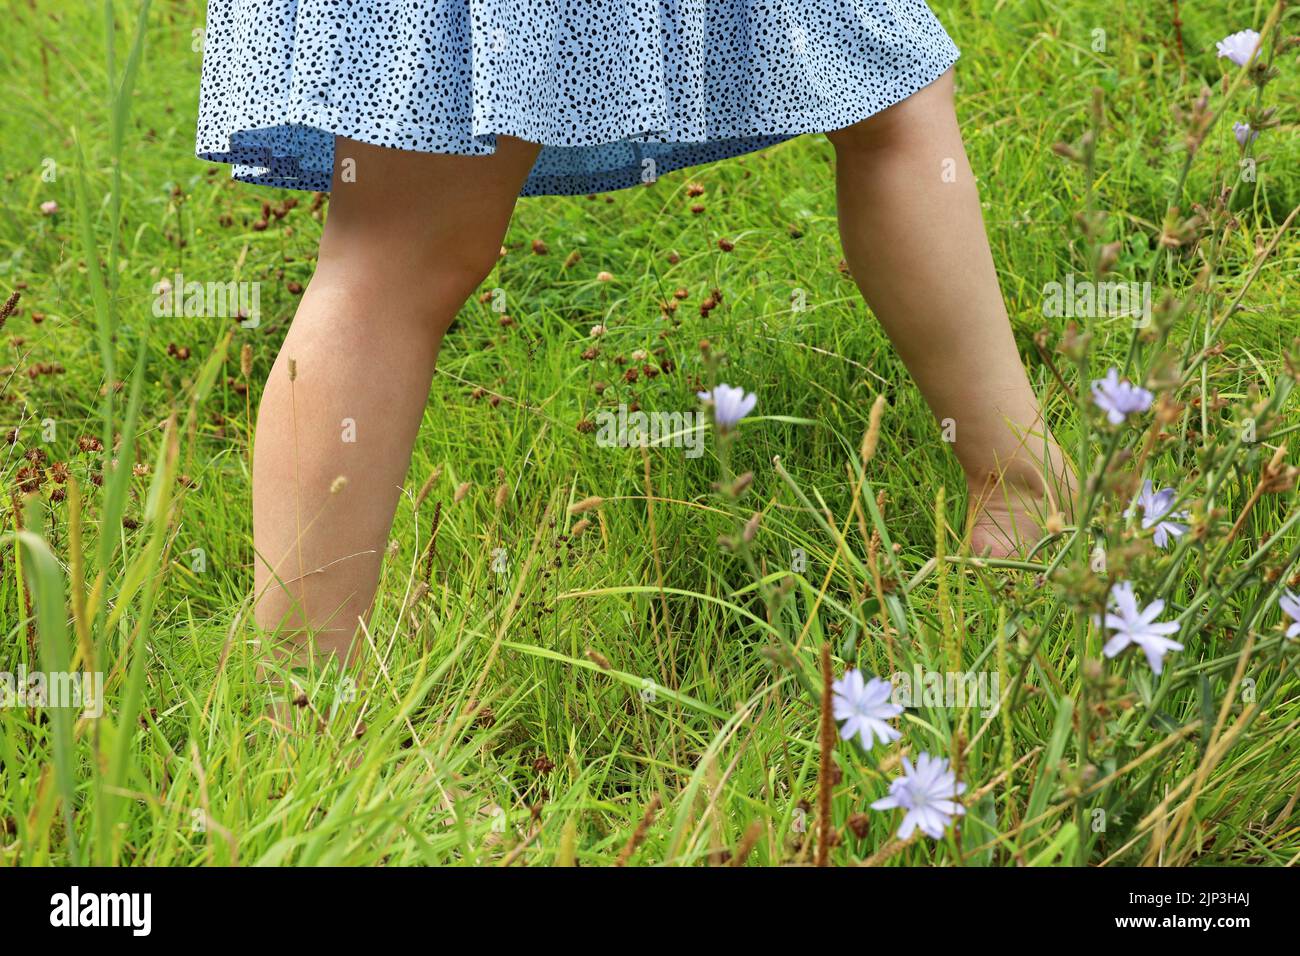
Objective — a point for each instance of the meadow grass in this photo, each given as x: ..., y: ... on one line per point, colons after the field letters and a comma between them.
x: 637, y: 680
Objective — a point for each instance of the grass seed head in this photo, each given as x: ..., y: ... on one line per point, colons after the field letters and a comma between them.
x: 586, y: 504
x: 872, y: 436
x: 8, y: 308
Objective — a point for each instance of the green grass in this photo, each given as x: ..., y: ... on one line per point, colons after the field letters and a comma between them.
x: 534, y: 716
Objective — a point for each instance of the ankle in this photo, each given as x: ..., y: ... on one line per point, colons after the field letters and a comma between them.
x: 1022, y: 475
x: 1045, y: 478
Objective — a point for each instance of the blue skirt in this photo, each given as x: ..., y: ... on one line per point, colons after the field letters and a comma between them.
x: 617, y: 92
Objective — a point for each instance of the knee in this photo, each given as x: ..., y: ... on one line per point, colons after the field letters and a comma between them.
x: 906, y: 118
x: 434, y: 271
x: 464, y: 267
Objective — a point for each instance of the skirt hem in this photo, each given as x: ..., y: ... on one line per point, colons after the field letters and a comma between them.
x: 649, y: 153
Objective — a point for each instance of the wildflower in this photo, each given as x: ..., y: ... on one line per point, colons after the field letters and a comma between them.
x: 1240, y: 47
x: 597, y: 331
x: 1119, y: 399
x: 928, y: 792
x: 1155, y: 507
x: 1244, y: 133
x: 864, y: 706
x: 1289, y: 603
x: 730, y: 404
x: 1140, y: 627
x: 49, y: 207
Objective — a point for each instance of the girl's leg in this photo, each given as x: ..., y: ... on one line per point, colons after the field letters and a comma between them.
x: 405, y: 243
x: 914, y: 239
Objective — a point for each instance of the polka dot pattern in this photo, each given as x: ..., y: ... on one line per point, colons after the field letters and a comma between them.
x: 617, y: 92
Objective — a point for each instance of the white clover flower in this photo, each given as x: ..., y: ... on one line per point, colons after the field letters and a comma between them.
x: 864, y: 706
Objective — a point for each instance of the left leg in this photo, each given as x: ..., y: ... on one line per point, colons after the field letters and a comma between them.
x: 403, y: 246
x: 913, y: 235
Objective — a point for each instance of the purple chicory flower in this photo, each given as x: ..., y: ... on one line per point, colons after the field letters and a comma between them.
x: 1239, y: 47
x: 730, y: 404
x: 1119, y: 399
x: 1138, y: 626
x: 1155, y: 506
x: 1289, y: 603
x: 1244, y: 133
x: 928, y: 792
x: 864, y: 706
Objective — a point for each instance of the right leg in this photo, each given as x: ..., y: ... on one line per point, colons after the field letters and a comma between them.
x: 403, y: 248
x: 916, y: 244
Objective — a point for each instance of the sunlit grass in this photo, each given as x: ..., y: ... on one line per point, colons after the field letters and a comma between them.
x: 638, y: 670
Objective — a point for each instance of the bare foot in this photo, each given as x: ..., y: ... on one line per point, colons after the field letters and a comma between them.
x: 1007, y: 516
